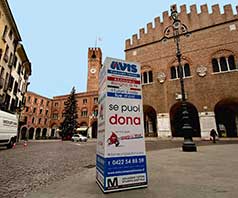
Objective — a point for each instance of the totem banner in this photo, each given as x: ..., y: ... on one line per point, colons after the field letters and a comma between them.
x: 121, y: 157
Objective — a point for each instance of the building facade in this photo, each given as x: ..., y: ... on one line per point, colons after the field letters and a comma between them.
x: 15, y: 67
x: 44, y: 116
x: 210, y: 72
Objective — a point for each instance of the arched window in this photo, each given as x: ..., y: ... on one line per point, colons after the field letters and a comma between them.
x: 223, y: 64
x: 173, y: 72
x: 231, y: 62
x: 187, y: 70
x: 215, y: 65
x: 147, y: 77
x: 150, y: 76
x: 145, y: 80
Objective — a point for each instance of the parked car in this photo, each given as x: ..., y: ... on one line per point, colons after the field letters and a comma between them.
x: 79, y: 137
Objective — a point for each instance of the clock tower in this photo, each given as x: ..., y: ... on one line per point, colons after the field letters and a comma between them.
x: 94, y: 65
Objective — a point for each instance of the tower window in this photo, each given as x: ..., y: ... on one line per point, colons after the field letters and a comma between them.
x: 93, y: 55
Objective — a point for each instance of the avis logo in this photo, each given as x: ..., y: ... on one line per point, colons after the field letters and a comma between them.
x: 123, y: 67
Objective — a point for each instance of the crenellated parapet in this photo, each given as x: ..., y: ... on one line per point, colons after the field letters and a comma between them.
x: 193, y: 20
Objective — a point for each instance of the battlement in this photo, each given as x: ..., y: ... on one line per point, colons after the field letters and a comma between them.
x: 193, y: 20
x: 94, y: 52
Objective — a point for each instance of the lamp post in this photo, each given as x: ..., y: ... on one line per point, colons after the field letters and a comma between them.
x: 174, y: 31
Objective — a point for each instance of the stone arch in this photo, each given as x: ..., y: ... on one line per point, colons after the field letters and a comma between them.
x: 44, y: 132
x: 184, y: 60
x: 226, y: 114
x: 54, y: 130
x: 23, y: 133
x: 150, y: 121
x: 31, y: 133
x: 38, y: 133
x: 175, y: 120
x: 222, y: 52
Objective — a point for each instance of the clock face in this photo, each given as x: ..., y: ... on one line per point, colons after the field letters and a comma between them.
x: 93, y: 70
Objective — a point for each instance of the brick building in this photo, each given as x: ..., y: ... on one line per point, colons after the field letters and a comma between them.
x: 43, y: 116
x: 210, y: 70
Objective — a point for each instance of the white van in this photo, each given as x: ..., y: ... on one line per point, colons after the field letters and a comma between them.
x: 8, y: 129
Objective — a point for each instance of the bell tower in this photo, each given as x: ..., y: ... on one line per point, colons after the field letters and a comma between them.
x: 94, y: 65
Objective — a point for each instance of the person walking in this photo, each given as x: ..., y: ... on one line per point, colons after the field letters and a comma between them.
x: 213, y: 135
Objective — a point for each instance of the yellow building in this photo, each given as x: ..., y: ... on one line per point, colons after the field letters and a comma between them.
x: 15, y: 68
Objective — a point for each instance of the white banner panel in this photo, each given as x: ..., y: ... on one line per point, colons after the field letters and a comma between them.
x: 121, y: 157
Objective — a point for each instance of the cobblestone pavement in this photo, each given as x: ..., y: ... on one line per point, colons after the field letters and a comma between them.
x: 30, y: 168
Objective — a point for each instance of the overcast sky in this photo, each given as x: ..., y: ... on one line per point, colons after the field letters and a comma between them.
x: 56, y: 35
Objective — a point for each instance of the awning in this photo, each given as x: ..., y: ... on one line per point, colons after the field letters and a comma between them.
x: 82, y: 128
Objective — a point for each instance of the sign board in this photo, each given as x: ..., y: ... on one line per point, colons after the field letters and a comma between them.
x: 121, y: 157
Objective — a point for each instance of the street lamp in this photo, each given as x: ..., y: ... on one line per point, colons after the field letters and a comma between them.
x: 176, y: 30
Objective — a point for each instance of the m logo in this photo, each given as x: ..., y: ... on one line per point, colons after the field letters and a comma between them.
x: 112, y: 182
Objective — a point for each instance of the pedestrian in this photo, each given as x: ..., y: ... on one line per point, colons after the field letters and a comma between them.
x: 213, y: 135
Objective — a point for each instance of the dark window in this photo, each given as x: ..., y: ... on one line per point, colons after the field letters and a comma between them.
x: 47, y: 104
x: 95, y: 100
x: 29, y: 98
x: 231, y: 61
x: 173, y: 72
x: 5, y: 57
x: 85, y: 101
x: 56, y: 104
x: 32, y: 121
x: 35, y: 101
x: 5, y: 32
x: 13, y: 107
x: 41, y: 111
x: 215, y: 65
x: 145, y: 77
x: 16, y: 103
x: 223, y: 64
x: 15, y: 87
x: 19, y: 69
x: 187, y: 70
x: 14, y: 62
x: 42, y: 101
x: 10, y: 84
x: 10, y: 34
x: 45, y: 120
x: 39, y: 120
x: 7, y: 101
x: 46, y: 112
x: 34, y: 110
x: 27, y: 109
x: 150, y: 76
